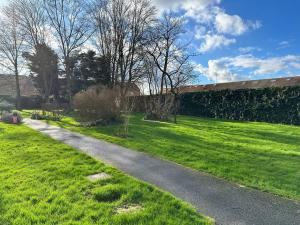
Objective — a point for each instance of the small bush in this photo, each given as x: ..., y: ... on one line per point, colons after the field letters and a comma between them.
x: 98, y: 105
x: 36, y: 116
x: 6, y: 106
x: 7, y: 117
x: 53, y: 116
x: 159, y: 107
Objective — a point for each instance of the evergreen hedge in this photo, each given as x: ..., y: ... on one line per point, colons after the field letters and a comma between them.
x: 33, y: 102
x: 274, y: 105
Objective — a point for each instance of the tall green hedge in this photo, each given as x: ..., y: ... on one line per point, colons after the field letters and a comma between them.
x: 26, y: 102
x: 274, y: 105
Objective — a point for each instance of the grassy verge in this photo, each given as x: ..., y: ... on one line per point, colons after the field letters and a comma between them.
x: 259, y: 155
x: 44, y: 182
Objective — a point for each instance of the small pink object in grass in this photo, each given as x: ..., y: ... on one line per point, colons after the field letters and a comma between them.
x: 15, y: 119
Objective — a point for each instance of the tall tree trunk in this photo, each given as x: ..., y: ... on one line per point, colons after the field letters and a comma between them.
x: 47, y: 88
x: 18, y: 92
x: 176, y: 104
x: 69, y: 85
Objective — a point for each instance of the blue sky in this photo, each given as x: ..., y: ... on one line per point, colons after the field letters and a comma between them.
x: 240, y: 39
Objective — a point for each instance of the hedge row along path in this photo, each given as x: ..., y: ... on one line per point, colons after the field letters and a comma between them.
x: 227, y: 203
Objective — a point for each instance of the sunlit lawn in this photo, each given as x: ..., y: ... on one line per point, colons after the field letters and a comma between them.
x: 44, y: 182
x: 260, y: 155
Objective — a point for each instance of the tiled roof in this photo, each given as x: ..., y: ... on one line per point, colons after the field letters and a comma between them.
x: 8, y: 86
x: 133, y: 89
x: 251, y: 84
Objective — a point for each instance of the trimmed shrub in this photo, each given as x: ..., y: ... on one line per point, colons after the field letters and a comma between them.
x: 273, y: 105
x: 98, y: 105
x: 33, y: 102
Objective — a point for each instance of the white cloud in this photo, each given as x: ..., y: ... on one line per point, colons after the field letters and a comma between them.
x: 249, y: 49
x: 206, y: 14
x: 187, y: 5
x: 213, y: 25
x: 233, y: 24
x: 89, y: 45
x: 228, y: 69
x: 228, y: 24
x: 254, y: 24
x: 262, y: 66
x: 295, y: 65
x: 200, y: 32
x: 283, y: 44
x: 269, y: 66
x: 212, y: 42
x: 217, y: 72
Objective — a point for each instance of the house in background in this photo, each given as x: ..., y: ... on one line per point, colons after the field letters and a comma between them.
x: 132, y: 89
x: 8, y: 86
x: 250, y: 84
x: 27, y: 88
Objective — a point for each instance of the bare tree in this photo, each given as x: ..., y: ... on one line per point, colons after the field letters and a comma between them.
x: 33, y: 20
x: 121, y: 25
x: 11, y: 44
x: 70, y: 20
x: 167, y: 64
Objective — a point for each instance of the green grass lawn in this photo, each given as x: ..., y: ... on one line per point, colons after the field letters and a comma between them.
x: 260, y: 155
x: 43, y: 181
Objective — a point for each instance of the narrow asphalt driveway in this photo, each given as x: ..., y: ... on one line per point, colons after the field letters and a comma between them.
x: 227, y: 203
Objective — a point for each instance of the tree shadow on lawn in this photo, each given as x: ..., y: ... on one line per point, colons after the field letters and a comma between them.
x: 236, y: 136
x: 185, y: 143
x: 252, y: 130
x: 201, y: 152
x: 267, y: 136
x: 62, y: 124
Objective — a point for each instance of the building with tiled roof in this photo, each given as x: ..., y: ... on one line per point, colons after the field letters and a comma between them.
x: 8, y: 86
x: 250, y: 84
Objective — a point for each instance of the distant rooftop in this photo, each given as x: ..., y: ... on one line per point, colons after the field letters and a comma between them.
x: 8, y: 86
x: 250, y: 84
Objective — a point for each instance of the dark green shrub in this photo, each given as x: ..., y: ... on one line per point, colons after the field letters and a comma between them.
x: 274, y: 105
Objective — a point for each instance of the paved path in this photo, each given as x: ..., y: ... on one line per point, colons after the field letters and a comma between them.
x: 227, y: 203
